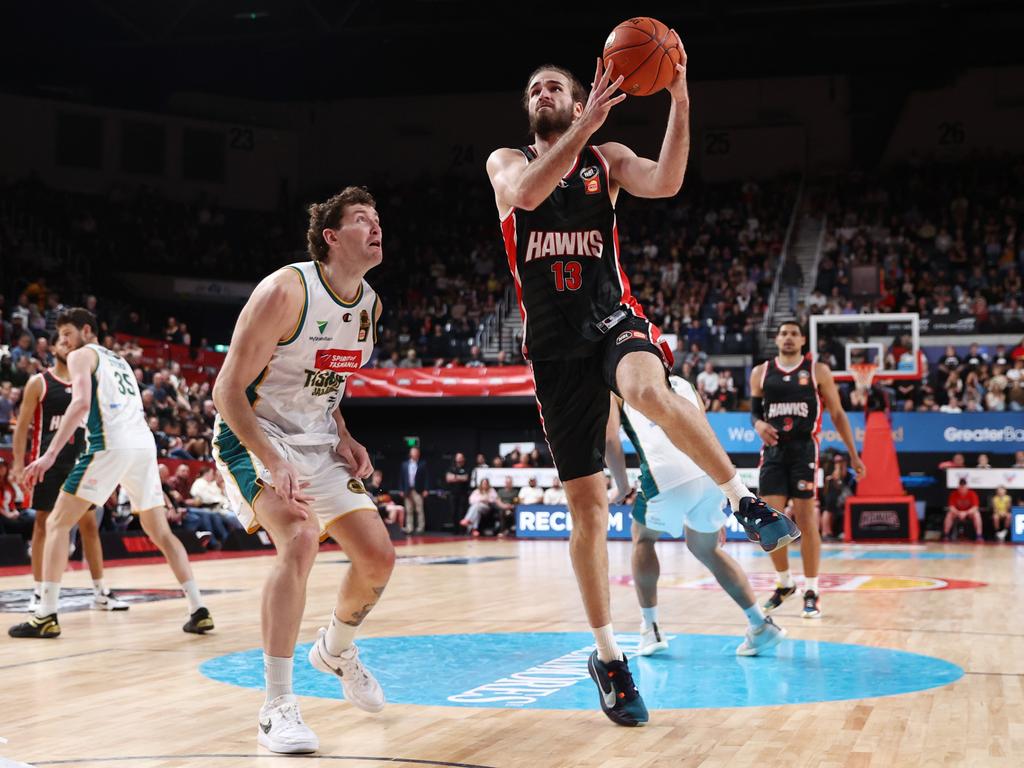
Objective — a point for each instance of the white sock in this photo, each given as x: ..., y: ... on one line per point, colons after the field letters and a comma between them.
x: 277, y: 671
x: 754, y: 615
x: 98, y: 588
x: 38, y: 589
x: 49, y: 598
x: 785, y: 579
x: 607, y: 648
x: 339, y: 636
x: 195, y: 600
x: 811, y: 584
x: 735, y: 490
x: 650, y: 615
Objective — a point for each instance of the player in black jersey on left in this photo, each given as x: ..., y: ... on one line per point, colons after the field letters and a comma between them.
x: 584, y: 332
x: 47, y: 395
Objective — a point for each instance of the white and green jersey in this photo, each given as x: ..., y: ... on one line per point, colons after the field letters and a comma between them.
x: 662, y: 465
x: 116, y: 418
x: 296, y: 395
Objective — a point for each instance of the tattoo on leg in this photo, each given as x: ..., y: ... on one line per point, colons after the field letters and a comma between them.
x: 357, y: 617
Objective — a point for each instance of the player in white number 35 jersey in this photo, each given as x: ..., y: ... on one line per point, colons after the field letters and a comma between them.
x: 675, y: 494
x: 290, y: 463
x: 120, y: 451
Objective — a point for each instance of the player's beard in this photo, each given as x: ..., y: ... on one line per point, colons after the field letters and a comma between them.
x: 550, y: 123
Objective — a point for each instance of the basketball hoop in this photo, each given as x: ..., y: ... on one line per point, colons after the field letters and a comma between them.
x: 863, y: 373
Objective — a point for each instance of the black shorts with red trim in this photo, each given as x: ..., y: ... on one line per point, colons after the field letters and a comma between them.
x: 572, y: 396
x: 789, y: 469
x: 45, y: 492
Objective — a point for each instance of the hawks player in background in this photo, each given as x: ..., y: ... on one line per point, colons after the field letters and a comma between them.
x: 584, y: 332
x: 290, y: 464
x: 46, y: 398
x: 786, y: 399
x: 120, y: 451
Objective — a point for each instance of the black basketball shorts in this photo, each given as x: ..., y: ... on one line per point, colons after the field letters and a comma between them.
x: 789, y: 469
x: 44, y: 494
x: 573, y: 396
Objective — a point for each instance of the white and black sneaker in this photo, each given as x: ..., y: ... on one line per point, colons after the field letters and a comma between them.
x: 281, y: 728
x: 107, y: 601
x: 651, y: 640
x: 357, y: 683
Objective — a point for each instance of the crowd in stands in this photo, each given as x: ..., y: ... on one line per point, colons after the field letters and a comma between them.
x: 966, y: 507
x: 946, y: 238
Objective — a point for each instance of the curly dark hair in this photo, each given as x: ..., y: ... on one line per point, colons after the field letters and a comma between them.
x: 327, y: 215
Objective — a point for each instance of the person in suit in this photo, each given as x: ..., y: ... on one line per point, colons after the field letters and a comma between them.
x: 414, y: 484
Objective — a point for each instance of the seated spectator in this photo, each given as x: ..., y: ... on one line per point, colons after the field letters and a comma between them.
x: 963, y: 505
x: 509, y: 496
x: 1018, y: 460
x: 840, y: 484
x: 390, y: 513
x: 530, y: 493
x: 483, y: 502
x: 708, y: 383
x: 13, y: 519
x: 208, y: 525
x: 1000, y: 505
x: 983, y: 461
x: 555, y: 494
x: 957, y: 462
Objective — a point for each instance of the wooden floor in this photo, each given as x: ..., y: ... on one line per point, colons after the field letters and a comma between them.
x: 128, y: 686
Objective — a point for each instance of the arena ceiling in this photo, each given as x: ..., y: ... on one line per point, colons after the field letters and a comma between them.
x: 135, y: 54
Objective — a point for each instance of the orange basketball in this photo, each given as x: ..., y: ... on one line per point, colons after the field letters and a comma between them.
x: 645, y: 52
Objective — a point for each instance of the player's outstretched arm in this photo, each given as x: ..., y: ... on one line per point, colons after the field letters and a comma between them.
x: 29, y: 401
x: 81, y: 363
x: 642, y: 177
x: 768, y: 434
x: 519, y: 184
x: 270, y: 315
x: 614, y: 456
x: 830, y: 394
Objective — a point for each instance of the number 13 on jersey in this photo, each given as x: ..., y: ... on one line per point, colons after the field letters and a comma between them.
x: 568, y: 275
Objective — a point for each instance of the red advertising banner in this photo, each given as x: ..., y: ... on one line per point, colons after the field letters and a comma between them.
x: 441, y: 382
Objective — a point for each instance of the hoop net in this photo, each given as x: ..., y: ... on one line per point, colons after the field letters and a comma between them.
x: 863, y: 373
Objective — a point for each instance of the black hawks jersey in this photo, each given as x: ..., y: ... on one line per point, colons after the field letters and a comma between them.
x: 564, y: 258
x: 791, y: 401
x: 46, y: 421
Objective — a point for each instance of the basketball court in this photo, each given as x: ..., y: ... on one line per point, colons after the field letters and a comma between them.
x: 481, y: 648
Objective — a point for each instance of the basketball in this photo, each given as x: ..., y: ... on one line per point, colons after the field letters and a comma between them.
x: 645, y: 52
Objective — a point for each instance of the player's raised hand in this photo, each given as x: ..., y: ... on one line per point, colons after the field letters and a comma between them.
x: 284, y: 479
x: 678, y: 88
x: 602, y: 98
x: 34, y: 472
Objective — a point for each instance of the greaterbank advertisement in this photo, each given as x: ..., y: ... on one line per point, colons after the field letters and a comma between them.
x: 911, y: 432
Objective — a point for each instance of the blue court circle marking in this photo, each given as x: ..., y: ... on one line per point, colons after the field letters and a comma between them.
x: 547, y: 670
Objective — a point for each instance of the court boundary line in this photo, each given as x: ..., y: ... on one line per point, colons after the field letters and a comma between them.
x: 260, y: 756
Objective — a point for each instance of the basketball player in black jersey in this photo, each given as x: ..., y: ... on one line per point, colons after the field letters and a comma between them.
x: 586, y: 334
x: 47, y: 395
x: 786, y: 398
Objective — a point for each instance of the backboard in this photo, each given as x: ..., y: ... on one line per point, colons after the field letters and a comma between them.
x: 890, y: 340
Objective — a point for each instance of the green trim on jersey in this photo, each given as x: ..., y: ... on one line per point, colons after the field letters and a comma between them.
x: 74, y: 479
x: 333, y: 295
x: 252, y: 391
x: 97, y: 440
x: 648, y: 487
x: 239, y: 463
x: 302, y: 316
x: 373, y: 317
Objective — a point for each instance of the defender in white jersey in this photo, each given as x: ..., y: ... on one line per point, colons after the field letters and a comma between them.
x: 119, y: 451
x: 676, y: 495
x: 291, y: 464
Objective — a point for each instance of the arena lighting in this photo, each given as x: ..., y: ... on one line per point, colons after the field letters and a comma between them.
x: 251, y: 15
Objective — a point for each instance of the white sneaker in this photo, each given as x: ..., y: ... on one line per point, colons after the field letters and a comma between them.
x: 768, y: 635
x: 357, y: 683
x: 107, y: 602
x: 33, y: 603
x: 651, y: 640
x: 281, y: 728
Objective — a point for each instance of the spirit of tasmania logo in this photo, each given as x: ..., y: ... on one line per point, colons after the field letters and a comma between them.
x: 330, y: 370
